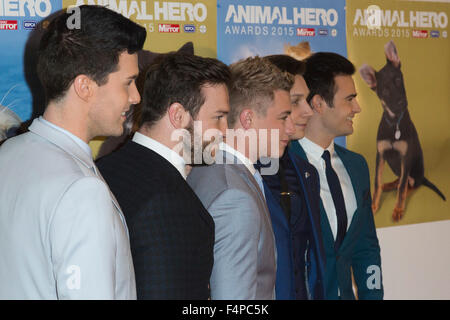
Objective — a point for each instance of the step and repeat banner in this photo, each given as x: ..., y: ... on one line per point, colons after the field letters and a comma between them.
x: 400, y: 49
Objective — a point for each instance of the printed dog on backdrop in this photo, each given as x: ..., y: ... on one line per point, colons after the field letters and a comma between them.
x: 397, y: 138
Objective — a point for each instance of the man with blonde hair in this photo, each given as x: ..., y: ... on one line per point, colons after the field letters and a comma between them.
x: 231, y: 189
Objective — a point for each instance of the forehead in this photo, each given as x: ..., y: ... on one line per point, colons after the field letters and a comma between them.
x: 128, y: 64
x: 299, y: 86
x: 281, y: 103
x: 344, y: 85
x: 216, y: 98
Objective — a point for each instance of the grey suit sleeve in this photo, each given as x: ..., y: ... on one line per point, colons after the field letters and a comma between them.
x: 83, y: 243
x: 238, y: 226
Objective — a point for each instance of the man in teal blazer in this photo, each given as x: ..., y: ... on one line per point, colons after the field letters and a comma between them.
x: 348, y: 228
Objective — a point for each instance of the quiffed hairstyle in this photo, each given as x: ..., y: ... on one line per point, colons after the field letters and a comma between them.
x: 93, y: 49
x: 179, y: 78
x: 254, y: 81
x: 321, y: 69
x: 287, y: 64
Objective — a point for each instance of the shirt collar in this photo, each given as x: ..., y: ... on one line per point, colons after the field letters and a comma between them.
x: 174, y: 158
x: 83, y: 145
x: 246, y: 161
x: 314, y: 150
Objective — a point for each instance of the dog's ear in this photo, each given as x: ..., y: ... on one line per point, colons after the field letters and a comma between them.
x: 391, y: 54
x: 187, y: 48
x: 368, y: 74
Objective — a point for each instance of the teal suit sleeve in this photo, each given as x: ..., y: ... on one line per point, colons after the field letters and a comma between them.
x: 366, y: 260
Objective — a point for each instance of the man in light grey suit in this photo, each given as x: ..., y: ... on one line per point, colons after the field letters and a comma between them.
x: 62, y: 233
x: 231, y: 189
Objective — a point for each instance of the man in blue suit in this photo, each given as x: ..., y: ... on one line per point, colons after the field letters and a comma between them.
x: 348, y: 228
x: 292, y: 196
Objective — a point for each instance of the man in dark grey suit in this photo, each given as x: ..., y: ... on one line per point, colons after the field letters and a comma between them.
x: 171, y: 233
x: 231, y: 189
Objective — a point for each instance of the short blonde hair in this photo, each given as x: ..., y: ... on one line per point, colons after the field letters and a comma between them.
x: 253, y: 82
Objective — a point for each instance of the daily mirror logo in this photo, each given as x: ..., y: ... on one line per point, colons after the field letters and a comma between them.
x: 155, y: 10
x: 8, y: 24
x: 281, y: 15
x: 25, y: 8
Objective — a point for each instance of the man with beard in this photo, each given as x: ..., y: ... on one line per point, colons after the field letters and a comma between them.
x: 171, y: 233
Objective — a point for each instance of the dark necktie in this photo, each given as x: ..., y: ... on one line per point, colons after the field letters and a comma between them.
x: 285, y: 195
x: 338, y: 199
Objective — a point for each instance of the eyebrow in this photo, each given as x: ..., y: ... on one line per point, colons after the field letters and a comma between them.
x: 133, y: 77
x: 285, y: 113
x: 297, y: 95
x: 222, y: 111
x: 353, y: 95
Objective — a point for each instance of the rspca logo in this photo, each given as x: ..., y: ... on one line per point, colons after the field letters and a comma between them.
x: 189, y: 28
x: 434, y: 33
x: 29, y: 25
x: 323, y: 32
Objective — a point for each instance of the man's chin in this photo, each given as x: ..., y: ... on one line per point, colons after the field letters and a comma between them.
x: 297, y: 136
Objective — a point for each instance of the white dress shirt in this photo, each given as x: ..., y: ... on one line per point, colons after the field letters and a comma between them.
x: 174, y: 158
x: 314, y: 154
x: 246, y: 161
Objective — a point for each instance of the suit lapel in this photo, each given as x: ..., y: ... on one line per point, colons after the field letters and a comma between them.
x: 270, y: 199
x: 306, y: 184
x: 295, y: 147
x: 309, y: 187
x: 228, y: 158
x: 324, y: 222
x: 242, y: 170
x: 66, y: 144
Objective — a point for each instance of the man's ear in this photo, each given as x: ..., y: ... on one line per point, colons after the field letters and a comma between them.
x: 178, y: 116
x: 84, y: 87
x: 318, y: 104
x: 246, y: 118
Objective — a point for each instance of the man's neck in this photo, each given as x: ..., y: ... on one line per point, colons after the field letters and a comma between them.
x: 318, y: 134
x: 72, y: 123
x: 324, y: 142
x: 159, y: 135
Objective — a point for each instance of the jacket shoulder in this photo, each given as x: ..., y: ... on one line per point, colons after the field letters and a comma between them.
x: 210, y: 181
x: 354, y: 156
